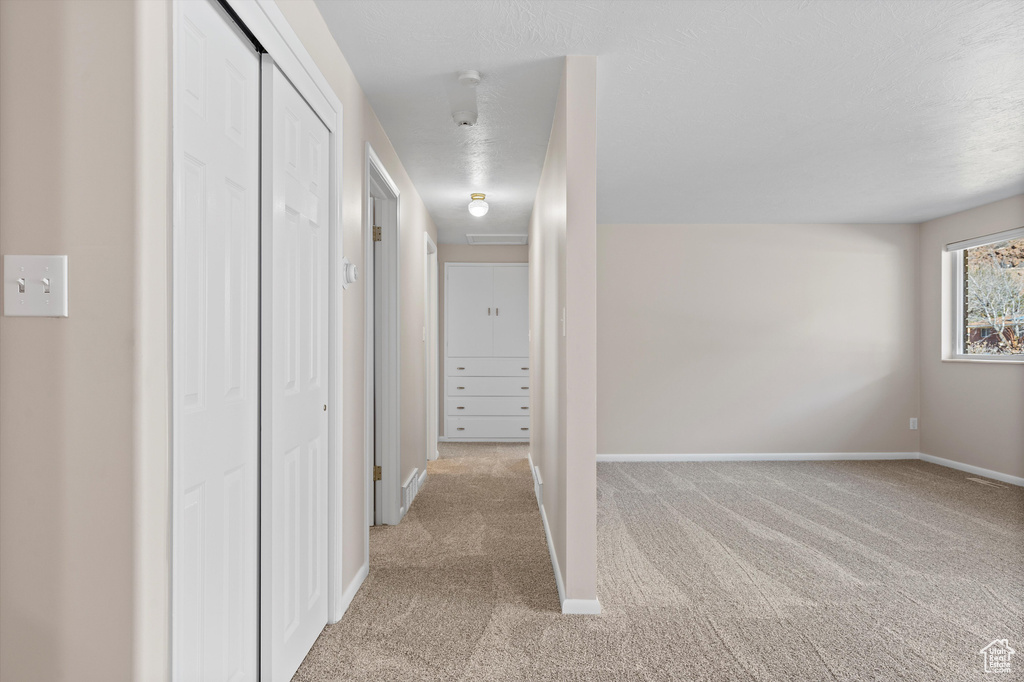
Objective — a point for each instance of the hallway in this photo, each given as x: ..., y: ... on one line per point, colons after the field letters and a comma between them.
x: 460, y: 589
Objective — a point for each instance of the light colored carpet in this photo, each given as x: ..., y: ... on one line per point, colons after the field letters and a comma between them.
x: 707, y: 571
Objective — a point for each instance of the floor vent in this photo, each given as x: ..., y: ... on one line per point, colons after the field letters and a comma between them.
x: 991, y: 484
x: 409, y: 490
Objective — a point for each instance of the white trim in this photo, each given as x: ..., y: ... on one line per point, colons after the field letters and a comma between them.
x: 810, y: 457
x: 1016, y: 233
x: 761, y: 457
x: 431, y: 352
x: 353, y: 587
x: 375, y: 173
x: 971, y: 469
x: 569, y: 606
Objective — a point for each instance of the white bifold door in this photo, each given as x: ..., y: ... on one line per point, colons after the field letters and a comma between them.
x: 295, y: 384
x: 215, y: 348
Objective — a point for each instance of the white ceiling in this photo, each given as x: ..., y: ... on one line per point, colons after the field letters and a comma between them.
x: 709, y: 111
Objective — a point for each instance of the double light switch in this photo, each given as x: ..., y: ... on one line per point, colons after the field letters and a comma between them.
x: 36, y: 286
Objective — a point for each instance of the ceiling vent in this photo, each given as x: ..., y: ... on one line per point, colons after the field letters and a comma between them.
x: 496, y: 238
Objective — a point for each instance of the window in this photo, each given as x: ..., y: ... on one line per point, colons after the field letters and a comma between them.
x: 990, y: 301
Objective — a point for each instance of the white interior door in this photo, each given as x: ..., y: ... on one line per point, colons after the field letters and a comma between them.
x: 470, y: 311
x: 511, y: 311
x: 295, y: 379
x: 215, y: 348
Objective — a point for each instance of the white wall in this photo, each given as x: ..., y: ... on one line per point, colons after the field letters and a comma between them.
x: 466, y: 253
x: 757, y: 338
x: 563, y: 233
x: 971, y: 412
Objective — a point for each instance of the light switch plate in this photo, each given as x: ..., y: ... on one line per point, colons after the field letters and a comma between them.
x: 36, y: 286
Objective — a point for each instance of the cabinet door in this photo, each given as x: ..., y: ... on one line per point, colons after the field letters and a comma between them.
x: 511, y: 310
x: 469, y: 310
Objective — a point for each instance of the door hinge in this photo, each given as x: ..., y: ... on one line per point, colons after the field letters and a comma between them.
x: 376, y: 233
x: 376, y: 473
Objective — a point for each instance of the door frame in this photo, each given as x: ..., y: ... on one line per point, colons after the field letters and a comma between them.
x: 431, y: 351
x: 266, y: 25
x: 378, y: 182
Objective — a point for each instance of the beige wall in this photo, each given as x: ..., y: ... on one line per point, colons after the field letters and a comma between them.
x: 757, y: 338
x: 67, y: 386
x: 465, y: 253
x: 971, y: 412
x: 84, y: 130
x: 563, y: 230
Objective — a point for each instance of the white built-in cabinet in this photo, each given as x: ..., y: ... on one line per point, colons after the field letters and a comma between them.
x: 487, y: 368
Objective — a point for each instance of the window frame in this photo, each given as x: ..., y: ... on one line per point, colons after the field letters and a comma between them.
x: 957, y: 329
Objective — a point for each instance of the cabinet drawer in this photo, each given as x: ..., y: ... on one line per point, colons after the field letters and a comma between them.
x: 496, y: 386
x: 511, y: 407
x: 488, y: 367
x: 488, y: 427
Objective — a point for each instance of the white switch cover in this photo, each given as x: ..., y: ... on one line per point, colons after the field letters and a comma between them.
x: 36, y: 286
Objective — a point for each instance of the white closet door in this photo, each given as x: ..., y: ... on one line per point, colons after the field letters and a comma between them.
x: 470, y: 311
x: 295, y: 294
x: 512, y: 311
x: 215, y: 348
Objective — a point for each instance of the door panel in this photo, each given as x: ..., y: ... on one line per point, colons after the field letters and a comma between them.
x: 511, y: 311
x: 469, y: 311
x: 215, y: 346
x: 295, y: 272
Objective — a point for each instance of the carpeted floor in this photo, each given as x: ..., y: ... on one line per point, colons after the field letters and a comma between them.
x: 707, y: 571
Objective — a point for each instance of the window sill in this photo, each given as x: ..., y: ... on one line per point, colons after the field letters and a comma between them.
x: 989, y: 360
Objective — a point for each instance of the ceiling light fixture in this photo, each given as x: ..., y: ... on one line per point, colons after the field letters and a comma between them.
x: 477, y: 206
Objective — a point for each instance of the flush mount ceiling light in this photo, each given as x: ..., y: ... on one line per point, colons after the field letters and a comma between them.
x: 477, y: 206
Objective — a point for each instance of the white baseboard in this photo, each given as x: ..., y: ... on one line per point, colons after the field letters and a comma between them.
x: 569, y: 606
x: 353, y: 587
x: 971, y: 469
x: 761, y: 457
x: 815, y: 457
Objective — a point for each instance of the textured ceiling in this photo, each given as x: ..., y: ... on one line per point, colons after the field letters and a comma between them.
x: 708, y: 111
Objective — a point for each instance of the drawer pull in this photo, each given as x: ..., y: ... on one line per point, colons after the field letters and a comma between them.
x: 461, y: 388
x: 525, y: 388
x: 460, y: 429
x: 524, y: 368
x: 524, y: 428
x: 460, y: 368
x: 460, y: 407
x: 521, y: 408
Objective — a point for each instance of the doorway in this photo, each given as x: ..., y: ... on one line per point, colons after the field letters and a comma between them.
x: 383, y: 348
